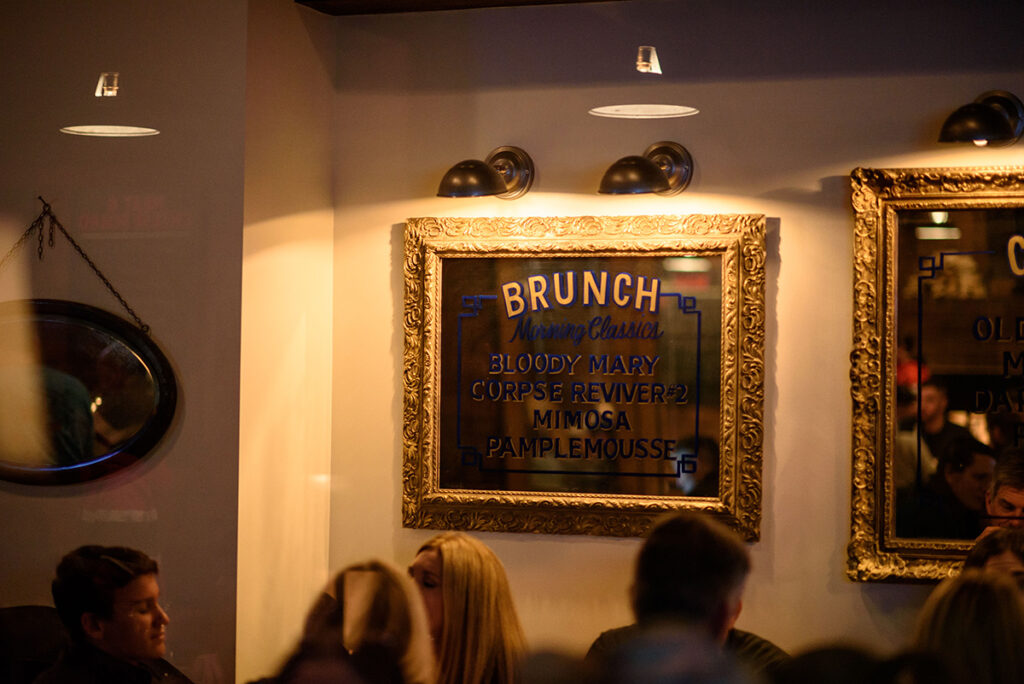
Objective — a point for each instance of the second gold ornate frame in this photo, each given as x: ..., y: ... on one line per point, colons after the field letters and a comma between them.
x: 888, y: 203
x: 467, y: 282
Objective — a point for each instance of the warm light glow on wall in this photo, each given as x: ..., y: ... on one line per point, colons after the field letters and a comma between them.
x: 24, y: 429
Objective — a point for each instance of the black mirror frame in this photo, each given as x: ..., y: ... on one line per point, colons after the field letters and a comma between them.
x: 152, y: 431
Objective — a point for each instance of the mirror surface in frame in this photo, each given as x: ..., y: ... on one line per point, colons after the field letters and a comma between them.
x: 937, y: 364
x: 616, y: 427
x: 85, y: 392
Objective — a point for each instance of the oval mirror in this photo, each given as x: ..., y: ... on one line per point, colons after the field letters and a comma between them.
x: 82, y: 392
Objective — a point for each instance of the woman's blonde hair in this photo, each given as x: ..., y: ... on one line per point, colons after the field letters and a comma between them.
x: 372, y: 618
x: 481, y: 639
x: 975, y: 623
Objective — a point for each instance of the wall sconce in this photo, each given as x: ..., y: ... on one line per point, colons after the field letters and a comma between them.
x: 664, y: 169
x: 995, y: 117
x: 104, y: 108
x: 507, y: 173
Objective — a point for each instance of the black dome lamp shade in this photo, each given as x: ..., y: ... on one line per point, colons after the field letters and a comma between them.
x: 507, y: 173
x: 633, y: 175
x: 995, y: 117
x: 664, y: 169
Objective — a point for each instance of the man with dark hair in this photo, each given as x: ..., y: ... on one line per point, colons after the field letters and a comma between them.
x: 691, y: 570
x: 936, y: 430
x: 967, y: 467
x: 1004, y: 502
x: 953, y: 503
x: 1001, y: 550
x: 108, y: 599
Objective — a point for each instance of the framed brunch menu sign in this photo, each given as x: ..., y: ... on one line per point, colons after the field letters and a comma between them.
x: 582, y: 375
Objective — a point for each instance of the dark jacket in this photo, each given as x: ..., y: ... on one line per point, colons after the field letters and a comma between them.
x: 756, y: 654
x: 83, y: 664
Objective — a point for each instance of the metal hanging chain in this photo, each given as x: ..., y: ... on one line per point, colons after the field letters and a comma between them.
x: 48, y: 219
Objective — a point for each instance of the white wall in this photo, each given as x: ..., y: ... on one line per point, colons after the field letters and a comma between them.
x: 284, y: 440
x: 162, y: 218
x: 791, y: 98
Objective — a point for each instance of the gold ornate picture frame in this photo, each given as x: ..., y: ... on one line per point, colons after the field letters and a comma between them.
x: 935, y: 269
x: 583, y: 375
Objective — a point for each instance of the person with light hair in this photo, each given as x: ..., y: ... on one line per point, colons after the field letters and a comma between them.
x: 369, y: 627
x: 473, y: 622
x: 975, y: 624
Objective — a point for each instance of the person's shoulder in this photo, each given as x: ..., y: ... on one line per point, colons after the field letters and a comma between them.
x: 165, y: 673
x: 47, y: 676
x: 64, y: 672
x: 75, y: 666
x: 609, y: 640
x: 82, y: 665
x: 754, y: 651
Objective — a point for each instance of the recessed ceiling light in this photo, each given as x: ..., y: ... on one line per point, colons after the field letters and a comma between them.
x: 110, y: 131
x: 646, y: 63
x: 647, y: 60
x: 104, y: 106
x: 644, y: 111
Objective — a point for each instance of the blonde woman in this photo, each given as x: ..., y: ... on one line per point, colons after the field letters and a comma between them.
x: 369, y: 626
x: 477, y: 637
x: 975, y: 624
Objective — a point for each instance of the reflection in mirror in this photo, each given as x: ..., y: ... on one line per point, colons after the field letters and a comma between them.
x: 960, y: 332
x: 937, y: 367
x: 85, y: 392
